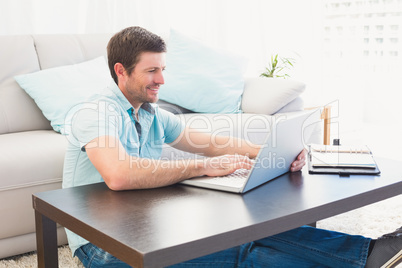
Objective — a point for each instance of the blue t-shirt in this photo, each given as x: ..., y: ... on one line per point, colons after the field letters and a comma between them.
x: 110, y: 114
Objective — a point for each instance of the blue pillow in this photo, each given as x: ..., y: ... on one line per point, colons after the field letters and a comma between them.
x: 200, y: 78
x: 58, y: 90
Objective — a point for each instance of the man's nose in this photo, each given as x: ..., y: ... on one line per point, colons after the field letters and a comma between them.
x: 159, y: 79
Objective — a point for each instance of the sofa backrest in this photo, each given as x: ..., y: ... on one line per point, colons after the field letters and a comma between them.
x: 18, y: 111
x: 26, y: 54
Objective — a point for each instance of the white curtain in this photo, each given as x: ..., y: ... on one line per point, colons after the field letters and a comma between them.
x: 360, y: 91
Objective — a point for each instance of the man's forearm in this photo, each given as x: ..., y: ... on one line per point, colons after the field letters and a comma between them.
x: 231, y: 145
x: 123, y: 172
x: 214, y: 145
x: 142, y: 173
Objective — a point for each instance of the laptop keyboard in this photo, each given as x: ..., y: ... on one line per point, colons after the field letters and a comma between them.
x: 236, y: 179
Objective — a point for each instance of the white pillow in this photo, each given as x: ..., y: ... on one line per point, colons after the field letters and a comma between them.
x: 57, y: 90
x: 268, y: 95
x: 293, y: 106
x: 200, y: 78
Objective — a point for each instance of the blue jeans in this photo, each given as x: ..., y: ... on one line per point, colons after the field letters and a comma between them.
x: 301, y: 247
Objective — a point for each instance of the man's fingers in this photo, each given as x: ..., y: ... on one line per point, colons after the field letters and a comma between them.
x: 297, y: 165
x: 243, y: 164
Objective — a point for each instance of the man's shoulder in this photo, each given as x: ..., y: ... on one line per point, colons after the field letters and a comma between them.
x: 167, y: 118
x: 103, y: 95
x: 100, y: 110
x: 103, y: 101
x: 161, y: 113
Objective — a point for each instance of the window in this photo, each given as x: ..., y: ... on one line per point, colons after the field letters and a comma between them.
x: 371, y: 42
x: 379, y: 53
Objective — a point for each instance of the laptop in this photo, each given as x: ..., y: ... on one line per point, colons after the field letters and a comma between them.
x: 281, y: 147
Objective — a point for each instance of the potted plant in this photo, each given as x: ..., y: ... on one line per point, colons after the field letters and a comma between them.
x: 277, y: 67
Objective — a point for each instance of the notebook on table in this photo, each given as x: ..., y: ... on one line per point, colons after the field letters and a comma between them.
x: 343, y: 160
x: 280, y: 149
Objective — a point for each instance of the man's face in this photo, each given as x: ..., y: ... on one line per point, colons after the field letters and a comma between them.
x: 144, y: 82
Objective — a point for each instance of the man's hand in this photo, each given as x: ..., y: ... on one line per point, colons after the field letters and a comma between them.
x: 300, y: 161
x: 226, y: 164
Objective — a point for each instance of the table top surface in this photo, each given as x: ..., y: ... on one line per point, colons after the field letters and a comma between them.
x: 172, y: 224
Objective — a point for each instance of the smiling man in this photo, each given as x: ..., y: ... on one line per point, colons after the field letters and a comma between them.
x: 122, y: 125
x: 143, y: 86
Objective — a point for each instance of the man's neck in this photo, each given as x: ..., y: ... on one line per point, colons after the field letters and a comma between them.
x: 136, y: 107
x: 136, y: 114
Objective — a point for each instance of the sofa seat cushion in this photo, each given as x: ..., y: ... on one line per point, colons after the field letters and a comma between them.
x: 30, y: 162
x: 31, y: 158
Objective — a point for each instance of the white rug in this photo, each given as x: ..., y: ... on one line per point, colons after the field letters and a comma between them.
x: 371, y: 221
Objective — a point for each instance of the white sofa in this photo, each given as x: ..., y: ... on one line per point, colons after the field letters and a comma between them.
x: 32, y: 153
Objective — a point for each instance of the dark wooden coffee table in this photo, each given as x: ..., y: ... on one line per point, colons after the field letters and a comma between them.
x: 159, y: 227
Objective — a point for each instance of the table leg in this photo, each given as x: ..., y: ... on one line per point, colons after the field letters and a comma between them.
x: 313, y: 224
x: 46, y: 241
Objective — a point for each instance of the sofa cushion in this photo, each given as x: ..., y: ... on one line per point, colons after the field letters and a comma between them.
x: 268, y: 95
x: 31, y: 158
x: 200, y: 78
x: 30, y: 161
x: 75, y: 48
x: 58, y: 91
x: 18, y: 112
x: 173, y: 108
x: 18, y: 216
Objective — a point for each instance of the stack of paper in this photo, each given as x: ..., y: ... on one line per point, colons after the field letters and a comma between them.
x: 341, y: 156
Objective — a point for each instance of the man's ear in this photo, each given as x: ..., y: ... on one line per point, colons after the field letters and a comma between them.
x: 120, y: 71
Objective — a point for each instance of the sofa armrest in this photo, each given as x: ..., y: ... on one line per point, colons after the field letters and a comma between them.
x: 269, y: 95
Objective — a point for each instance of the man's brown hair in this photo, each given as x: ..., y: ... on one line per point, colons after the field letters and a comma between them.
x: 126, y: 46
